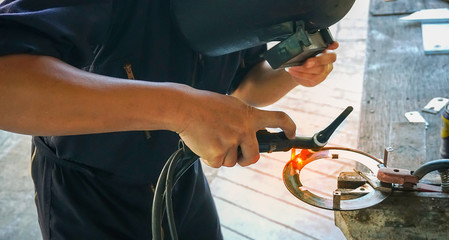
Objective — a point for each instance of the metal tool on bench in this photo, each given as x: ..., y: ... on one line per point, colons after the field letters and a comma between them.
x: 406, y: 180
x: 380, y: 181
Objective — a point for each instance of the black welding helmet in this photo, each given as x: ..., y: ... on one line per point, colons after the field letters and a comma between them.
x: 217, y: 27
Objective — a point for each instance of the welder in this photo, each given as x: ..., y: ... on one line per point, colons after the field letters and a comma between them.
x: 107, y: 89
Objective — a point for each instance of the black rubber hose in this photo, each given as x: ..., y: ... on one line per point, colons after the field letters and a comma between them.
x: 158, y: 201
x: 168, y: 192
x: 186, y: 164
x: 431, y: 166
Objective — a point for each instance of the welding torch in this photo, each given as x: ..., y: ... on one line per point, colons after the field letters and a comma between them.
x: 268, y: 142
x: 277, y: 142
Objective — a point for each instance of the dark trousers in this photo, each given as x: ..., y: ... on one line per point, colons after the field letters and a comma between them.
x: 77, y: 202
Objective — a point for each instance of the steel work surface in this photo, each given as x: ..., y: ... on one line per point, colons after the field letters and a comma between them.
x: 399, y: 78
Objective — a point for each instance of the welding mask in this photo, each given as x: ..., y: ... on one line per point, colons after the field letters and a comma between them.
x: 217, y: 27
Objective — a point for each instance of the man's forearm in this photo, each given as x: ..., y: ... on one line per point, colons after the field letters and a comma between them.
x: 43, y: 96
x: 263, y: 86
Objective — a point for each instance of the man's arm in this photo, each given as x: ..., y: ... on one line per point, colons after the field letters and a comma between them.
x: 263, y: 86
x: 41, y: 95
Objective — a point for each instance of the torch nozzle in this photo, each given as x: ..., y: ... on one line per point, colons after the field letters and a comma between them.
x: 274, y: 142
x: 324, y: 135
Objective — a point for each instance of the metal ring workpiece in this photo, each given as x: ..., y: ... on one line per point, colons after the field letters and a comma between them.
x: 292, y: 180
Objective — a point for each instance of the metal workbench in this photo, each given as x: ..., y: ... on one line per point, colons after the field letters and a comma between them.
x: 399, y: 78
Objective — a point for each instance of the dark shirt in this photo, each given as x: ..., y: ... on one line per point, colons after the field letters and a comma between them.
x: 102, y: 37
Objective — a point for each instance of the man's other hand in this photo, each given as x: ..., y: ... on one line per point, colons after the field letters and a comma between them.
x: 316, y: 69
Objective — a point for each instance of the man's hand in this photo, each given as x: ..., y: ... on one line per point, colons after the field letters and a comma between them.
x: 263, y: 86
x: 216, y: 125
x: 316, y: 69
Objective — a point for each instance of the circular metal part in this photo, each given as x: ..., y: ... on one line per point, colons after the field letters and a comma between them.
x: 292, y: 180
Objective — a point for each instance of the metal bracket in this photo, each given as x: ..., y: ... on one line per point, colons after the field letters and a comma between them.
x: 435, y: 105
x: 415, y: 117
